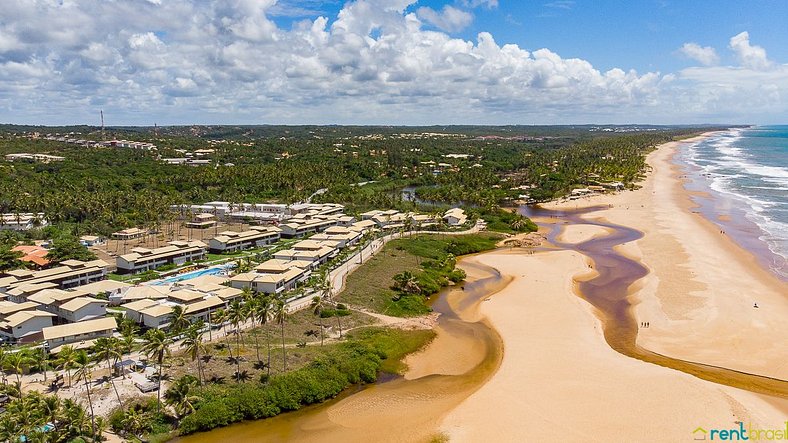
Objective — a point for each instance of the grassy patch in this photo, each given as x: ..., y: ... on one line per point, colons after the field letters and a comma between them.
x: 395, y: 344
x: 371, y: 285
x: 295, y: 332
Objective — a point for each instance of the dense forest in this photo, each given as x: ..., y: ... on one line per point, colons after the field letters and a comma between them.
x: 106, y: 188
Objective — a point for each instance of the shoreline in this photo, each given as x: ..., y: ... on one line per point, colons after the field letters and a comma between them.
x: 702, y: 286
x: 684, y: 298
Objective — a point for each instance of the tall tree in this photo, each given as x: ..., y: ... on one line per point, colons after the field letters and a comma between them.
x: 318, y: 304
x: 280, y: 316
x: 109, y: 349
x: 83, y: 365
x: 156, y: 346
x: 192, y: 344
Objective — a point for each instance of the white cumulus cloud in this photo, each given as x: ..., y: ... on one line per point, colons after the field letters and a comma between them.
x: 750, y: 56
x: 375, y: 62
x: 450, y: 19
x: 706, y: 55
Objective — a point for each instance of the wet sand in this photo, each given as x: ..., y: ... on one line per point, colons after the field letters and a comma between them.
x: 463, y: 356
x: 701, y: 288
x: 561, y: 381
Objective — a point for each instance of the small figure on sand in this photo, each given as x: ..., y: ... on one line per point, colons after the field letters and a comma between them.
x: 755, y: 305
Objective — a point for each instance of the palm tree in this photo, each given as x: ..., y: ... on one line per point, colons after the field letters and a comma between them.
x: 237, y: 315
x: 178, y: 319
x: 192, y: 342
x: 280, y: 316
x: 3, y: 355
x: 250, y: 303
x: 407, y: 283
x: 318, y: 304
x: 263, y: 310
x: 136, y: 421
x: 82, y: 362
x: 19, y: 361
x: 109, y: 348
x: 65, y: 360
x: 180, y: 395
x: 156, y: 346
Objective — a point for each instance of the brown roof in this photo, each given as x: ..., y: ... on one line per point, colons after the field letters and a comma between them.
x: 83, y: 327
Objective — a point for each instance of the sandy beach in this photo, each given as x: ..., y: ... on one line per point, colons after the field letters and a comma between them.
x: 560, y: 380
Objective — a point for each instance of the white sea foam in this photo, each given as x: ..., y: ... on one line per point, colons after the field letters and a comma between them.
x: 732, y: 172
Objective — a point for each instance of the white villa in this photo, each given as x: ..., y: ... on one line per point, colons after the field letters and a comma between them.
x: 177, y: 253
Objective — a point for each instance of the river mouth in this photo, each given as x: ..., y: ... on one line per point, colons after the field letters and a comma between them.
x: 399, y: 405
x: 402, y: 409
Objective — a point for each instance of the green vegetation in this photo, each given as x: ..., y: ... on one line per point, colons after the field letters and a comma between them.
x: 67, y: 247
x: 505, y: 221
x: 356, y: 361
x: 428, y: 260
x: 37, y: 417
x: 99, y: 190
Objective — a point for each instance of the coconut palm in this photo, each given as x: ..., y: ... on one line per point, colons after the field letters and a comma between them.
x: 280, y: 316
x: 136, y: 421
x: 318, y: 304
x: 237, y: 315
x: 156, y: 345
x: 84, y: 372
x: 65, y: 360
x: 19, y: 361
x: 180, y: 395
x: 178, y: 319
x: 192, y: 343
x: 407, y: 283
x: 109, y: 349
x: 263, y: 310
x: 3, y: 355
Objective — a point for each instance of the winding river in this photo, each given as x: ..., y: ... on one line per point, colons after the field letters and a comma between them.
x: 609, y: 293
x: 395, y: 407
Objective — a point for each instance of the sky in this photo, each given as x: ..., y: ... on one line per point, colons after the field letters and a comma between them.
x: 181, y: 62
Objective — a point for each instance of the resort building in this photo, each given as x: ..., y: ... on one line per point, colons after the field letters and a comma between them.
x: 255, y: 237
x: 20, y: 293
x: 69, y: 274
x: 23, y: 221
x: 341, y: 236
x: 293, y: 229
x: 309, y: 250
x: 40, y: 158
x: 51, y: 298
x: 177, y: 253
x: 34, y: 256
x: 8, y: 308
x: 278, y: 266
x: 203, y: 220
x: 25, y: 326
x: 129, y: 234
x: 92, y: 240
x: 110, y: 289
x: 142, y: 292
x: 81, y: 335
x: 81, y: 309
x: 455, y: 217
x: 273, y: 283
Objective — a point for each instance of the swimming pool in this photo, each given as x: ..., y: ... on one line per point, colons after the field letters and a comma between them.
x: 213, y: 270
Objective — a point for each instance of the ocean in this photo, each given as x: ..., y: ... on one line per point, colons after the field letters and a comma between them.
x: 742, y: 178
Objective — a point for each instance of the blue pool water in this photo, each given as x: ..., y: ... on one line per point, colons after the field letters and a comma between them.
x: 214, y: 270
